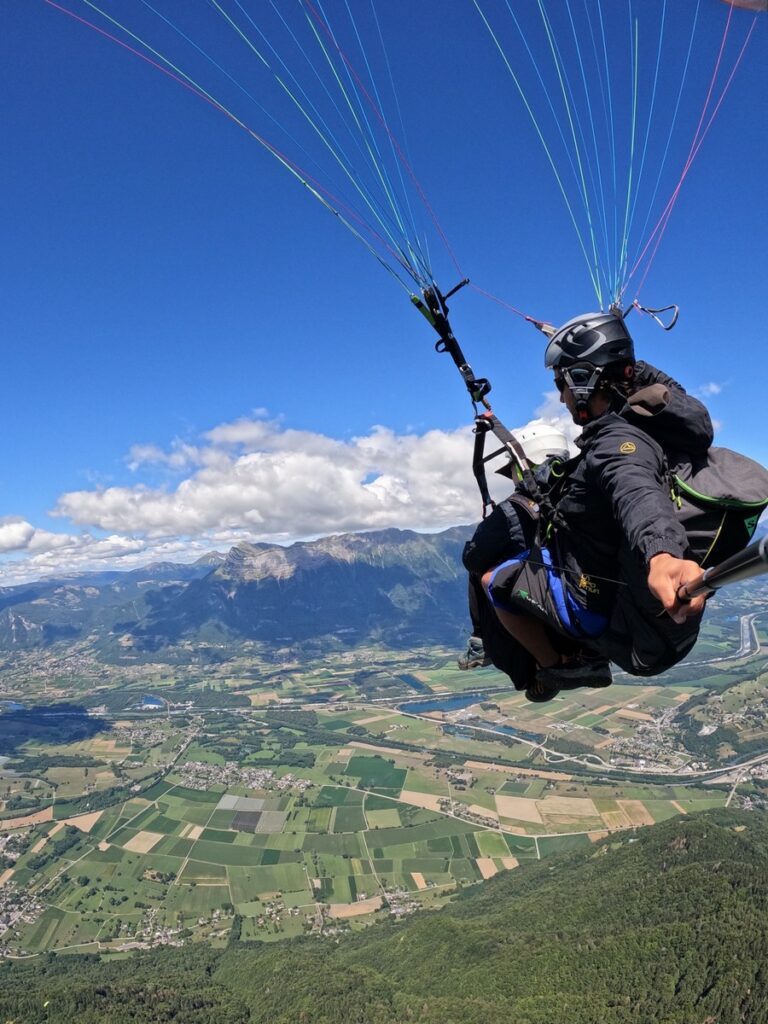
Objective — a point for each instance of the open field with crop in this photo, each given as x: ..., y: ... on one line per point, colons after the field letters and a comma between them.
x: 150, y: 826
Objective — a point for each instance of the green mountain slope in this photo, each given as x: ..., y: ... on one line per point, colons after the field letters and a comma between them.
x: 668, y: 927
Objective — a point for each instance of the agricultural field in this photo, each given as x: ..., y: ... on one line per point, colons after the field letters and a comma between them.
x: 363, y: 829
x: 315, y: 800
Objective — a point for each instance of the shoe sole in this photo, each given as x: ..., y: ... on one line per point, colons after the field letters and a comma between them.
x: 541, y: 698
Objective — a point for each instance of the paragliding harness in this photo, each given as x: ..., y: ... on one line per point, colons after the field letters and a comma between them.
x: 718, y: 499
x: 539, y: 567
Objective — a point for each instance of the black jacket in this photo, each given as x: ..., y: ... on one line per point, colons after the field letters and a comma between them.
x: 614, y: 508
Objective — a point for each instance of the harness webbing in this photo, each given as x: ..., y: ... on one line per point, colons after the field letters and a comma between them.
x: 433, y: 307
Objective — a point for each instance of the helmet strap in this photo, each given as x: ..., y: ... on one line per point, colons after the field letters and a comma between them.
x: 583, y: 390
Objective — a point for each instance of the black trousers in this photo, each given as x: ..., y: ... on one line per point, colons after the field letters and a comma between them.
x: 641, y: 638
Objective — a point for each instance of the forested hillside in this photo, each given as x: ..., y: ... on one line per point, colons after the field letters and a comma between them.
x: 669, y: 926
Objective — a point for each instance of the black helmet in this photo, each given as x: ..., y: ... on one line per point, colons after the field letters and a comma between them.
x: 598, y: 339
x: 581, y: 350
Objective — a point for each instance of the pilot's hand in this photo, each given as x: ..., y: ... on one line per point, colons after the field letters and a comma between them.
x: 666, y: 574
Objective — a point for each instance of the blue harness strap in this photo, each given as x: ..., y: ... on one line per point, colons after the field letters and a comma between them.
x: 571, y: 617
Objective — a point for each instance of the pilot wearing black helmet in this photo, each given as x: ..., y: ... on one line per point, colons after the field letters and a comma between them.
x: 602, y: 584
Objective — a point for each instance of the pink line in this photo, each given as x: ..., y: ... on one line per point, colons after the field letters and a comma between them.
x: 393, y: 138
x: 698, y: 137
x: 501, y: 302
x: 663, y: 221
x: 335, y: 201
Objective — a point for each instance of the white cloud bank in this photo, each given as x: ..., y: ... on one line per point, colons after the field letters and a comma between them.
x: 254, y: 479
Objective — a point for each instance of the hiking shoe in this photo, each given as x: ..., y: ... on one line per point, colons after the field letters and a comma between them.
x: 540, y: 691
x: 475, y: 656
x: 579, y: 671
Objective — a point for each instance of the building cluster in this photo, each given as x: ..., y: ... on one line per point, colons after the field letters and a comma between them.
x: 140, y: 737
x: 274, y: 911
x: 18, y: 906
x: 400, y: 902
x: 202, y: 775
x: 460, y: 777
x: 461, y: 810
x: 12, y: 845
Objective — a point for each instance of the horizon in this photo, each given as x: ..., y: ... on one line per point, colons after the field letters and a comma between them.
x: 202, y: 357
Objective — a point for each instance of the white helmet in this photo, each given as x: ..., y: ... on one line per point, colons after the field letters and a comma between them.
x: 541, y: 441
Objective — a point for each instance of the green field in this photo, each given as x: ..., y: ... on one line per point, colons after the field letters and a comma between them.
x: 162, y: 855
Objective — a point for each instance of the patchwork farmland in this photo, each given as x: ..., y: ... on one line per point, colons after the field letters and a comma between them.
x: 282, y: 816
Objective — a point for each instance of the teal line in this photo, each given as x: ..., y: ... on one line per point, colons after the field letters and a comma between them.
x: 647, y: 134
x: 355, y: 118
x: 422, y: 255
x: 542, y: 140
x: 673, y: 124
x: 332, y: 100
x: 371, y: 143
x: 611, y: 131
x: 597, y: 161
x: 545, y: 91
x: 322, y: 120
x: 635, y: 43
x: 350, y: 176
x: 390, y: 188
x: 410, y: 240
x: 570, y: 114
x: 183, y: 78
x: 259, y: 106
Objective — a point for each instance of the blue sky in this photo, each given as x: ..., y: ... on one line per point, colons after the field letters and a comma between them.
x: 198, y: 352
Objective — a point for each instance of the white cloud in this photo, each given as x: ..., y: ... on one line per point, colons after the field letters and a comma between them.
x: 15, y: 534
x: 710, y: 389
x: 180, y: 457
x: 255, y: 480
x: 553, y: 412
x: 285, y: 484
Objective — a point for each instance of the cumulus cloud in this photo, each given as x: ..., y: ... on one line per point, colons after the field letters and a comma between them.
x: 553, y: 412
x: 283, y: 484
x: 254, y: 479
x: 710, y: 389
x: 15, y: 534
x: 179, y: 457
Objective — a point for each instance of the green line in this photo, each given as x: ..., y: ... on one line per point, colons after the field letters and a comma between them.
x: 361, y: 192
x: 595, y: 284
x: 365, y: 136
x: 625, y: 240
x: 577, y: 151
x: 263, y: 142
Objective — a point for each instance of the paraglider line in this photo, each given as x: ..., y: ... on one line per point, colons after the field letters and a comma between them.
x: 670, y: 136
x: 332, y: 202
x: 422, y: 194
x: 542, y: 140
x: 698, y: 141
x: 501, y: 302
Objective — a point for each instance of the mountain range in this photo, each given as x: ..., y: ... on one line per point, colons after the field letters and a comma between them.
x: 392, y: 586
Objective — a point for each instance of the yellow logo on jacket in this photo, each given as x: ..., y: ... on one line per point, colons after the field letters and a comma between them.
x: 628, y: 448
x: 586, y: 584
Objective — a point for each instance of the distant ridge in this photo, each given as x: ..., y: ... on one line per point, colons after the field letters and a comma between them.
x: 391, y: 586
